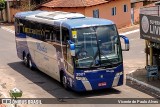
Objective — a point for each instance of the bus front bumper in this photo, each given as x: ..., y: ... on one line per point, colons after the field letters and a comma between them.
x: 101, y: 83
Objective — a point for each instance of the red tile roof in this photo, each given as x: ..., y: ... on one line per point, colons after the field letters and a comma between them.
x: 74, y: 3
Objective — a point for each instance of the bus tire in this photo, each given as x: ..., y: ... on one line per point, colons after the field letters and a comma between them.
x: 64, y: 81
x: 25, y: 60
x: 30, y: 64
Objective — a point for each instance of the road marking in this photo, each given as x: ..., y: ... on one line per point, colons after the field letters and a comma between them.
x: 131, y: 71
x: 9, y: 30
x: 130, y: 32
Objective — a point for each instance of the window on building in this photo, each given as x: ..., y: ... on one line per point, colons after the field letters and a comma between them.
x: 125, y: 8
x: 113, y: 11
x: 132, y: 5
x: 96, y: 13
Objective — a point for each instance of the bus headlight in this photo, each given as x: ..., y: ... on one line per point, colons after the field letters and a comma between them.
x: 119, y: 74
x: 81, y: 78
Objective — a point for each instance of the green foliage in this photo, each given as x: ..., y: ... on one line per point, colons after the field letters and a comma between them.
x: 2, y: 5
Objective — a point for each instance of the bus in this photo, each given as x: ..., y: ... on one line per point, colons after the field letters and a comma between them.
x: 82, y: 53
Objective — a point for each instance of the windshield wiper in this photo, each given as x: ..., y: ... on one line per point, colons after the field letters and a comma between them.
x: 94, y: 58
x: 106, y: 58
x: 101, y: 61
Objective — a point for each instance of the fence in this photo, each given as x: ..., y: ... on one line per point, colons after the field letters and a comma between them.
x: 154, y: 10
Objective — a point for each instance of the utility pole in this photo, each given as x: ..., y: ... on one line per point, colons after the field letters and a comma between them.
x: 29, y: 4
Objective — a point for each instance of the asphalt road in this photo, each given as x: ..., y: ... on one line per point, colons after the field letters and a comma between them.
x: 135, y: 57
x: 36, y: 84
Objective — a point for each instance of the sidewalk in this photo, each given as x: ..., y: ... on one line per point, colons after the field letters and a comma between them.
x: 127, y: 29
x: 138, y: 80
x: 8, y: 25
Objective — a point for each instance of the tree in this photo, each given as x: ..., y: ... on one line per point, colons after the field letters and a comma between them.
x: 27, y: 5
x: 2, y: 6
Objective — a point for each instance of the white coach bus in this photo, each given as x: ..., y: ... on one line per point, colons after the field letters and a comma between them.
x: 80, y: 52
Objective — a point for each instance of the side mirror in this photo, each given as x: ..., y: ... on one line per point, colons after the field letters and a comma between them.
x: 72, y: 47
x: 126, y: 41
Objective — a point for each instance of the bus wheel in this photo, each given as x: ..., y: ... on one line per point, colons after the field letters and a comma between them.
x: 64, y: 82
x: 30, y: 65
x: 26, y: 61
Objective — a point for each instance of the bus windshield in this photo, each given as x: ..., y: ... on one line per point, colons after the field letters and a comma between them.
x: 96, y: 46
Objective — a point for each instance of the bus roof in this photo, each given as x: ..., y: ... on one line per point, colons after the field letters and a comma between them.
x: 66, y: 19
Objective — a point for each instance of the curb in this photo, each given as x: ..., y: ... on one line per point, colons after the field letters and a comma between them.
x: 142, y: 83
x: 130, y: 32
x: 126, y: 29
x: 132, y: 26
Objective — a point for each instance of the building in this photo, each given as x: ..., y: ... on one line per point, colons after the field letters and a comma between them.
x: 118, y: 11
x: 14, y: 6
x: 135, y: 8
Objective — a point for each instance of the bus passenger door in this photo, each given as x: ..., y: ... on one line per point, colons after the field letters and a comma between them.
x: 69, y: 65
x: 67, y: 58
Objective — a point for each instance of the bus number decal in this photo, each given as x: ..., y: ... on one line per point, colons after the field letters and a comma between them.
x: 80, y: 74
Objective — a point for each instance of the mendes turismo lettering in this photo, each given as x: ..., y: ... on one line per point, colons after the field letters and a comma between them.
x: 41, y: 47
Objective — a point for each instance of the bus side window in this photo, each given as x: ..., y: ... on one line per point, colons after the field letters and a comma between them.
x: 21, y: 25
x: 32, y: 26
x: 57, y: 36
x: 49, y: 33
x: 39, y: 31
x: 52, y: 36
x: 28, y: 26
x: 16, y: 26
x: 45, y: 32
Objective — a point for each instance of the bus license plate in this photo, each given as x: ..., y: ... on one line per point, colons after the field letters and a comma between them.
x: 102, y: 84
